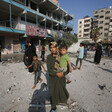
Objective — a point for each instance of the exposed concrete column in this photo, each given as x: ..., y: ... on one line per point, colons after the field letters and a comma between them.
x: 51, y: 14
x: 10, y: 6
x: 29, y: 4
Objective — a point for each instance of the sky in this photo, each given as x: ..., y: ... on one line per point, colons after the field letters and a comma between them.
x: 82, y: 8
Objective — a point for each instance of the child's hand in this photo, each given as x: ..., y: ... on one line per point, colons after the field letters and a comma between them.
x: 26, y: 68
x: 70, y: 70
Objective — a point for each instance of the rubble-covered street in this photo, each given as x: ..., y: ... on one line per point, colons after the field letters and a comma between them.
x: 90, y: 89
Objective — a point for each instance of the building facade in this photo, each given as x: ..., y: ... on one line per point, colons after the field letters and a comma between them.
x: 103, y: 21
x: 84, y: 27
x: 36, y: 20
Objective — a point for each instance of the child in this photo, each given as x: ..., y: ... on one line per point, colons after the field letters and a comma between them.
x: 37, y: 70
x: 64, y: 61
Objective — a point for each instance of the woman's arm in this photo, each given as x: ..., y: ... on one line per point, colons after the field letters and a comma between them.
x: 50, y: 66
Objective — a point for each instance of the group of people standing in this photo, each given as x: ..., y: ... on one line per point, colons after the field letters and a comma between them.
x: 57, y: 69
x: 32, y: 62
x: 58, y: 66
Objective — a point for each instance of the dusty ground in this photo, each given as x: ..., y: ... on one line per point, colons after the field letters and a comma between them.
x: 91, y: 88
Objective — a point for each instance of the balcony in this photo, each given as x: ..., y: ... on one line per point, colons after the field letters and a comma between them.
x: 107, y: 20
x: 18, y: 8
x: 108, y: 15
x: 87, y: 23
x: 88, y: 32
x: 87, y: 27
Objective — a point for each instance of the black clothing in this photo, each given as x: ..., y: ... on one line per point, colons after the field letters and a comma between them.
x: 31, y: 51
x: 98, y: 54
x: 43, y: 53
x: 24, y: 57
x: 0, y: 53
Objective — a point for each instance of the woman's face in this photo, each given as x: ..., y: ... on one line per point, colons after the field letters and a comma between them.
x: 53, y: 49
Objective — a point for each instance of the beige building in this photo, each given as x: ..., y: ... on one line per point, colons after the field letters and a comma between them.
x: 84, y: 27
x: 103, y: 20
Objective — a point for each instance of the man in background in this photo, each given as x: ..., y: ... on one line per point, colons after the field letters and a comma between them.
x: 80, y: 56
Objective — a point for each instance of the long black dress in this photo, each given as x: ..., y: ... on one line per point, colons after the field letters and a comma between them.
x: 98, y: 54
x: 43, y: 53
x: 31, y: 51
x: 0, y: 53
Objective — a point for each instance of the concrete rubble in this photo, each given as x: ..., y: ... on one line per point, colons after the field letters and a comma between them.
x: 90, y: 89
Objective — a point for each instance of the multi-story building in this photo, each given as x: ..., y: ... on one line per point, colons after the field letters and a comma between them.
x: 84, y: 27
x: 103, y: 21
x: 25, y: 20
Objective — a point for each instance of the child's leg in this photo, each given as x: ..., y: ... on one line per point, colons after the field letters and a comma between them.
x: 34, y: 80
x: 77, y: 61
x: 39, y: 73
x: 80, y: 63
x: 68, y: 78
x: 76, y: 64
x: 35, y: 76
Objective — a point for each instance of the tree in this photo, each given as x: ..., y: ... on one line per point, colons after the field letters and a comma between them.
x: 68, y: 39
x: 95, y: 33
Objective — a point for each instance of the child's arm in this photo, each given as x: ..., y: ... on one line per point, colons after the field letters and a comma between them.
x: 29, y: 66
x: 43, y: 68
x: 70, y: 67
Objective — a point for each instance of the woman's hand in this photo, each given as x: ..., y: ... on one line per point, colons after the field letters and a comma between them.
x: 60, y: 74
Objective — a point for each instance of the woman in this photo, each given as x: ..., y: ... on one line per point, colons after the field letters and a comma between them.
x: 24, y: 57
x: 43, y: 53
x: 98, y: 53
x: 57, y: 81
x: 31, y: 51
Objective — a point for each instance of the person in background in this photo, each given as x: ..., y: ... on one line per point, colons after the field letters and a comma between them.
x: 57, y: 81
x: 80, y: 56
x: 24, y: 57
x: 109, y: 50
x: 31, y: 51
x: 36, y: 64
x: 43, y: 53
x: 98, y: 53
x: 85, y: 52
x: 1, y: 50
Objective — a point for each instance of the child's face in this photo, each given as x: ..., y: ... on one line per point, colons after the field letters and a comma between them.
x: 63, y: 51
x: 34, y: 58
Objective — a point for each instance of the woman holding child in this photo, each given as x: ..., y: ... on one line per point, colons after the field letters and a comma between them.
x: 57, y: 81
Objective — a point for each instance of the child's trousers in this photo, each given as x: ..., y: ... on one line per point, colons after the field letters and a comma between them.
x: 37, y: 76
